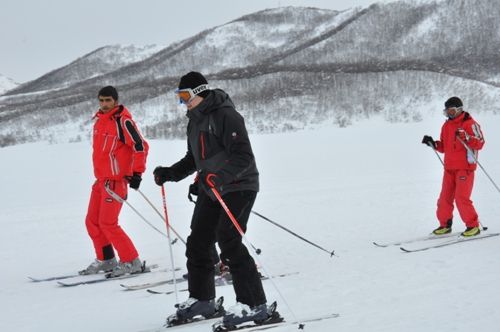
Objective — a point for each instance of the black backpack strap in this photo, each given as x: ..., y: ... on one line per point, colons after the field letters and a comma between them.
x: 117, y: 116
x: 466, y: 117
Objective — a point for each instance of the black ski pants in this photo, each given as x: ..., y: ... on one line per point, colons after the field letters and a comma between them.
x: 211, y: 224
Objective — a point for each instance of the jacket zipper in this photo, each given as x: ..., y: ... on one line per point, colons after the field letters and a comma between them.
x: 105, y: 142
x: 114, y: 163
x: 202, y: 145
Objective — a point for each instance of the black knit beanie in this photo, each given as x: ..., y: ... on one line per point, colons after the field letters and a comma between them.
x: 193, y: 80
x: 108, y: 91
x: 453, y: 102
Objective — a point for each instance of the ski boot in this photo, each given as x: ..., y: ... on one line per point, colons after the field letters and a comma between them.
x: 471, y: 231
x: 194, y: 310
x: 441, y: 230
x: 133, y: 267
x: 97, y: 266
x: 242, y: 313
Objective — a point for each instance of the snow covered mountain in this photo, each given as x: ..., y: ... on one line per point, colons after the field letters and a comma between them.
x: 290, y: 68
x: 96, y: 63
x: 6, y: 84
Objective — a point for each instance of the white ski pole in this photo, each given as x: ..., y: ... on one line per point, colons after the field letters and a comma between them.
x: 162, y: 218
x: 117, y: 198
x: 471, y: 152
x: 163, y: 195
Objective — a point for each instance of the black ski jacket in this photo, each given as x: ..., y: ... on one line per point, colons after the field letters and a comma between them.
x: 218, y: 143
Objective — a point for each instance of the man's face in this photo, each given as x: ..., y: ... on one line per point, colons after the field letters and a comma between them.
x: 107, y: 103
x: 195, y: 101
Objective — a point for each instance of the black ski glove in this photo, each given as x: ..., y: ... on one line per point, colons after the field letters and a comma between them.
x: 428, y: 140
x: 134, y: 181
x: 193, y: 191
x: 163, y: 174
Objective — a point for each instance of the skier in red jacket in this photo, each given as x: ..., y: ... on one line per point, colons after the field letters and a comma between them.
x: 119, y: 158
x: 461, y: 139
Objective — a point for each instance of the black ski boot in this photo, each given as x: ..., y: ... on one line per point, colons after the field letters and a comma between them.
x: 194, y: 310
x: 238, y: 317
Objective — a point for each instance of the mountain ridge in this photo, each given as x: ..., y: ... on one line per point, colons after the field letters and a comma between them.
x: 304, y: 59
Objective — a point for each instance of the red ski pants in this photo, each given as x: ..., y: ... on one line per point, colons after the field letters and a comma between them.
x: 102, y: 221
x: 457, y: 187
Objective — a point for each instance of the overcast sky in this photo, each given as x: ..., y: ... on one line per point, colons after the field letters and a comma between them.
x: 37, y: 36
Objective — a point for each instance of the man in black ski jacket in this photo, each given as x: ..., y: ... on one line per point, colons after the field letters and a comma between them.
x: 219, y: 150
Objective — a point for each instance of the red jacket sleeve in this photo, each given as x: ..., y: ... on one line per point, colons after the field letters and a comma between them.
x: 476, y: 138
x: 138, y: 144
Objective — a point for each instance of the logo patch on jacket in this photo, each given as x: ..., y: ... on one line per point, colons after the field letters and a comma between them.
x: 462, y: 178
x: 109, y: 200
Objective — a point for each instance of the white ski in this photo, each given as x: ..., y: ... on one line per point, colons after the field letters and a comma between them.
x: 417, y: 239
x: 456, y: 240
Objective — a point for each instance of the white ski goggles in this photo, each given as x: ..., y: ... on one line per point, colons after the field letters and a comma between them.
x: 452, y: 112
x: 186, y: 95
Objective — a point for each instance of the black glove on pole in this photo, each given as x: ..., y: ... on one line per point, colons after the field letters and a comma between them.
x: 428, y: 140
x: 134, y: 181
x: 164, y: 174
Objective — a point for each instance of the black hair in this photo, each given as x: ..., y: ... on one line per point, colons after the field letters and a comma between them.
x: 453, y: 102
x: 108, y: 91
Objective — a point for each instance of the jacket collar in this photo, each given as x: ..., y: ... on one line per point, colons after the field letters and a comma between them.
x: 460, y: 118
x: 204, y: 108
x: 113, y: 113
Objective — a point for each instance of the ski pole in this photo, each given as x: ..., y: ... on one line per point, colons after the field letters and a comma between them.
x: 332, y: 253
x: 233, y: 220
x: 437, y: 155
x: 257, y: 251
x: 469, y: 150
x: 117, y: 198
x: 167, y: 223
x: 162, y: 218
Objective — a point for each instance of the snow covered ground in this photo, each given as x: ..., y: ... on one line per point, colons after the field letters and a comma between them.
x: 341, y: 188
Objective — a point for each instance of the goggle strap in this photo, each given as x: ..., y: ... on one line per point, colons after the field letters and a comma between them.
x: 200, y: 88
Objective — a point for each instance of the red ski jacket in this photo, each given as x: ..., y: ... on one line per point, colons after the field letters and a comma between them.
x: 455, y: 154
x: 119, y: 150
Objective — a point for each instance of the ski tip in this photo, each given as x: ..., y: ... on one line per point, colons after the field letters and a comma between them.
x: 404, y: 249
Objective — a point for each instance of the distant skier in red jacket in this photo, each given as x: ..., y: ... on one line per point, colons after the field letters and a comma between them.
x: 459, y: 165
x: 119, y: 158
